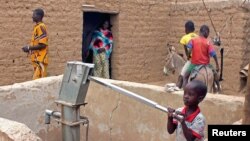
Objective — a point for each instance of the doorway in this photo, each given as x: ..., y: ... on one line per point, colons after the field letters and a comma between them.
x: 91, y: 22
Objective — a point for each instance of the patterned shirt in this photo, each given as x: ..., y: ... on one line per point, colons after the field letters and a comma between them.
x: 39, y: 35
x: 102, y: 38
x: 195, y: 122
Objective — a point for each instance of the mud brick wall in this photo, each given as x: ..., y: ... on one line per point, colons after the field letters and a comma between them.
x: 64, y: 22
x: 140, y: 44
x: 142, y: 41
x: 246, y: 42
x: 230, y: 20
x: 142, y: 30
x: 139, y: 49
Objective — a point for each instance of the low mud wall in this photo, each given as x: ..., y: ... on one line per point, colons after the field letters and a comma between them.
x: 112, y: 116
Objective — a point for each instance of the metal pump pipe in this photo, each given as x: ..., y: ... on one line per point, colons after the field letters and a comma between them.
x: 132, y: 95
x: 72, y: 95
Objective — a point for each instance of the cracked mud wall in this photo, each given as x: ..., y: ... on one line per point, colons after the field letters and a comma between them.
x: 112, y: 116
x: 124, y: 118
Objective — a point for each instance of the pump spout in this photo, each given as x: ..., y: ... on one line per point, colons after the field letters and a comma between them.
x: 49, y: 113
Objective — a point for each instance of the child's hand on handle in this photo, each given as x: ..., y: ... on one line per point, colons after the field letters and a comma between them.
x: 170, y: 112
x: 179, y: 116
x: 175, y: 114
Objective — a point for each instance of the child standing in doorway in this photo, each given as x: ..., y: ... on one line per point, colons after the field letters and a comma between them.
x: 102, y: 46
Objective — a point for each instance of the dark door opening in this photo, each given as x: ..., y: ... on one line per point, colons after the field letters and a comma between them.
x: 91, y: 21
